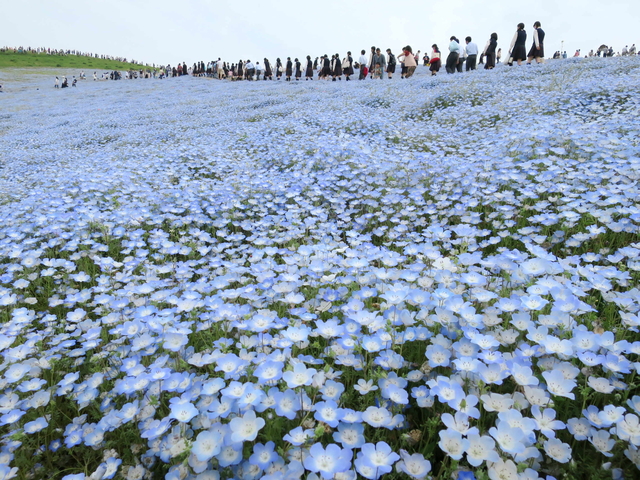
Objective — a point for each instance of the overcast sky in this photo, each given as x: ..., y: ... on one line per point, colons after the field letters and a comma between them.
x: 164, y: 31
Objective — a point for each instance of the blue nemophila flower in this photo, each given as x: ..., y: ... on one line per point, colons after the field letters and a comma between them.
x: 183, y: 412
x: 558, y: 384
x: 373, y: 461
x: 328, y: 461
x: 263, y: 455
x: 328, y: 412
x: 287, y: 403
x: 207, y: 445
x: 36, y: 425
x: 452, y: 443
x: 509, y: 438
x: 413, y: 465
x: 546, y: 421
x: 377, y: 417
x: 481, y: 449
x: 246, y: 428
x: 298, y: 436
x: 301, y: 375
x: 350, y: 435
x: 269, y: 372
x: 560, y: 452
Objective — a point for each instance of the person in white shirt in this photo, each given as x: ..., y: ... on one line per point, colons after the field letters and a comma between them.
x: 472, y: 54
x: 462, y: 56
x: 363, y: 63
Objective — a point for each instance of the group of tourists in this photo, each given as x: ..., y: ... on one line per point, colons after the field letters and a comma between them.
x: 377, y: 64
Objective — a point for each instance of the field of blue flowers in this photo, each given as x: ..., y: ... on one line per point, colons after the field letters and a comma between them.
x: 435, y: 277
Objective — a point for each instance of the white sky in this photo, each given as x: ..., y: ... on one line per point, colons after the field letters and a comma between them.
x: 163, y: 31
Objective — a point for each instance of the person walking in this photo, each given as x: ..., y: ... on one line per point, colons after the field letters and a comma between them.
x: 268, y: 72
x: 462, y: 56
x: 472, y: 54
x: 251, y: 70
x: 363, y: 65
x: 336, y: 67
x: 288, y: 69
x: 518, y: 49
x: 326, y: 67
x: 347, y: 66
x: 454, y: 53
x: 391, y: 64
x: 279, y: 68
x: 537, y: 49
x: 436, y: 62
x: 308, y: 70
x: 490, y: 52
x: 298, y: 67
x: 57, y: 84
x: 370, y: 64
x: 381, y: 64
x: 409, y: 61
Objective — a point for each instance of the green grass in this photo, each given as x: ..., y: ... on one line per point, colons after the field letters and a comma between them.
x: 27, y: 60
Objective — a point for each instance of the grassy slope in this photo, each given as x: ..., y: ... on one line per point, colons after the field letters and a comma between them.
x: 25, y: 60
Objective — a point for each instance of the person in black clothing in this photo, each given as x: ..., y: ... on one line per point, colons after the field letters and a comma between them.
x: 326, y: 67
x: 65, y: 84
x: 184, y: 68
x: 537, y: 49
x: 348, y: 66
x: 518, y: 49
x: 289, y: 69
x: 337, y: 67
x: 391, y: 63
x: 298, y: 69
x: 268, y: 73
x: 308, y: 73
x: 490, y: 52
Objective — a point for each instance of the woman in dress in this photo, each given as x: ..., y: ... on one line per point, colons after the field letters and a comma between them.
x: 435, y: 63
x: 308, y: 69
x: 288, y: 69
x: 347, y: 66
x: 298, y: 66
x: 337, y: 67
x: 537, y: 49
x: 489, y: 52
x: 268, y: 73
x: 518, y: 48
x: 279, y: 68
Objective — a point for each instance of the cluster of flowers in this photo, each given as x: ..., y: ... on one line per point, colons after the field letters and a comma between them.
x: 194, y: 293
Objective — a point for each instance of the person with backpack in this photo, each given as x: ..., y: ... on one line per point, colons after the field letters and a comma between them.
x: 391, y: 64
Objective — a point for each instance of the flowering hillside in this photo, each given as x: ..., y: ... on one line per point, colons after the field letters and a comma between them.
x: 434, y: 277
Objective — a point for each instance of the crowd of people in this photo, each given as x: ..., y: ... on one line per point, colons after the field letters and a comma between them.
x: 377, y: 64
